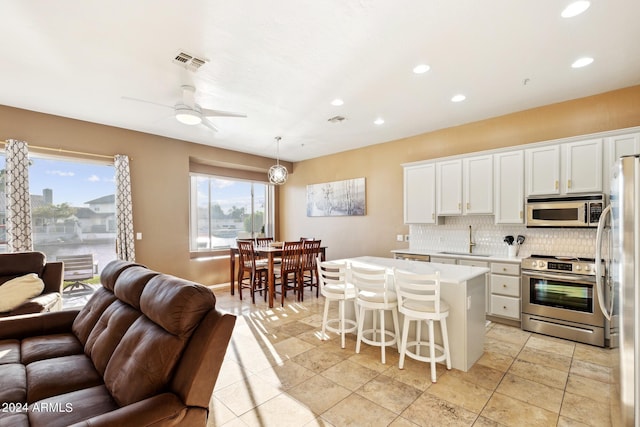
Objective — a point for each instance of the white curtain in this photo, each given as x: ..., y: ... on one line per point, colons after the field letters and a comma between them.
x: 125, y: 244
x: 18, y: 219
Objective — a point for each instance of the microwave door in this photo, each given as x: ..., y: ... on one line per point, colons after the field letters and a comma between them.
x: 558, y: 214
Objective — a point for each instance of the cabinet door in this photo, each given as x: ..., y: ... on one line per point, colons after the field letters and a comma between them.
x: 583, y: 167
x: 478, y: 184
x: 623, y: 145
x: 419, y: 194
x: 509, y: 180
x: 449, y: 185
x: 543, y: 170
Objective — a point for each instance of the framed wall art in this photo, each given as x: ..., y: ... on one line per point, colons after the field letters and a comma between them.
x: 337, y: 198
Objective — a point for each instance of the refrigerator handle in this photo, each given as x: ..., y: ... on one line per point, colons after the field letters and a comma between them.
x: 599, y: 275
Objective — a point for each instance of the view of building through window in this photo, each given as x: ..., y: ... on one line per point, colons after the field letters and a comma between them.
x: 224, y: 209
x: 72, y: 208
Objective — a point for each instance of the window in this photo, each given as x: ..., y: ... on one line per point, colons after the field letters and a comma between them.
x: 72, y: 208
x: 224, y: 209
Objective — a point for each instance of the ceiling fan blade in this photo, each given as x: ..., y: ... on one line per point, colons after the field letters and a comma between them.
x: 219, y: 113
x: 128, y: 98
x: 209, y: 125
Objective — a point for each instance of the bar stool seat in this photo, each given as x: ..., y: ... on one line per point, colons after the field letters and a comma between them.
x: 419, y: 301
x: 373, y: 295
x: 335, y: 288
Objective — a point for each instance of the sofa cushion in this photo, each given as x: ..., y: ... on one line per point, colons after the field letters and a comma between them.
x: 14, y: 419
x: 146, y: 357
x: 21, y: 263
x: 74, y: 407
x: 61, y: 375
x: 107, y: 333
x: 90, y: 313
x: 19, y: 290
x: 43, y: 347
x: 112, y: 271
x: 9, y: 351
x: 14, y: 384
x: 175, y: 304
x: 130, y: 284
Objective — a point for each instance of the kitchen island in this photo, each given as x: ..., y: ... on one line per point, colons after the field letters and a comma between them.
x: 463, y: 288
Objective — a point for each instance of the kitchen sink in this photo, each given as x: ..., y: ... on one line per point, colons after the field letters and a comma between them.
x: 462, y: 253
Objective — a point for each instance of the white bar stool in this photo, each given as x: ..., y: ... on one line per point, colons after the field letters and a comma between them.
x: 335, y: 288
x: 419, y: 301
x: 373, y: 295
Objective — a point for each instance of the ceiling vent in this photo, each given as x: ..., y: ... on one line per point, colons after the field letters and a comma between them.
x: 188, y: 61
x: 336, y: 119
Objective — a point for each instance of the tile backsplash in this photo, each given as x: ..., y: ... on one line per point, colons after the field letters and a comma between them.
x: 453, y: 235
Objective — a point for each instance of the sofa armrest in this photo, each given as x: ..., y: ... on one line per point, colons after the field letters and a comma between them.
x: 160, y: 410
x: 52, y: 274
x: 31, y: 325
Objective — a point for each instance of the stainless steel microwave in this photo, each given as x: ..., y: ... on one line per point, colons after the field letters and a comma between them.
x: 566, y: 211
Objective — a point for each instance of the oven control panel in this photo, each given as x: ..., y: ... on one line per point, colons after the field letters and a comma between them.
x: 552, y: 264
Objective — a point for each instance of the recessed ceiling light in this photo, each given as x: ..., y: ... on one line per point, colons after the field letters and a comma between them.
x: 575, y: 8
x: 421, y: 69
x: 379, y: 121
x: 458, y: 98
x: 582, y: 62
x: 337, y: 102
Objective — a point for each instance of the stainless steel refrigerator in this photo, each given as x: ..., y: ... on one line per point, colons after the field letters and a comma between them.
x: 622, y: 280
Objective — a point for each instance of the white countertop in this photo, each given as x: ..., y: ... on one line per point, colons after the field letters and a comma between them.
x: 438, y: 253
x: 449, y: 273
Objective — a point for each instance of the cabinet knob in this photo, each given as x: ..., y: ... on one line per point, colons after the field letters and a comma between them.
x: 433, y: 216
x: 504, y: 286
x: 569, y: 183
x: 520, y: 214
x: 556, y: 184
x: 459, y: 206
x: 504, y: 269
x: 504, y: 307
x: 468, y: 205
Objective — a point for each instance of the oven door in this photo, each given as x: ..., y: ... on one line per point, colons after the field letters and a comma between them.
x: 565, y: 297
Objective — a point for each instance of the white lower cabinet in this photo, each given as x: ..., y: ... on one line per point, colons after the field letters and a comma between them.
x: 477, y: 263
x: 505, y: 290
x: 440, y: 260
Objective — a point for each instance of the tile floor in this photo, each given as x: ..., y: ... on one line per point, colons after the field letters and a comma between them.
x: 277, y: 372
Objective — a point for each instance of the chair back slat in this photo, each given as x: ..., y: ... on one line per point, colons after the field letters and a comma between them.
x: 331, y: 273
x: 310, y: 250
x: 247, y: 254
x: 369, y: 279
x: 263, y: 241
x: 417, y: 287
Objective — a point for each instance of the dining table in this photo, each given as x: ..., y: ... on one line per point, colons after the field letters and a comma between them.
x: 270, y: 252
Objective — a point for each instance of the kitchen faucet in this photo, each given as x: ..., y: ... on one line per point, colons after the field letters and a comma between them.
x: 471, y: 242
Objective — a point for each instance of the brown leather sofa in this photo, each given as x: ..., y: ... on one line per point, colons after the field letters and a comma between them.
x: 145, y: 350
x: 13, y: 265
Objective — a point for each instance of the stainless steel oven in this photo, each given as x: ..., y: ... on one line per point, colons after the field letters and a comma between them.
x: 559, y: 298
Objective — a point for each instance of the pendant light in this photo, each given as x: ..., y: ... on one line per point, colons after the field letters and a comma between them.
x: 278, y: 173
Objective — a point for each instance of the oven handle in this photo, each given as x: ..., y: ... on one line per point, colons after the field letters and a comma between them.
x: 567, y: 278
x: 599, y: 279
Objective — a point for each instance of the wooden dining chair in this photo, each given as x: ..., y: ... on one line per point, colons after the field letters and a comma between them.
x: 264, y: 241
x: 290, y: 265
x: 257, y: 269
x: 310, y: 250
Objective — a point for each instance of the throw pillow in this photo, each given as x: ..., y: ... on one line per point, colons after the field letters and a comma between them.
x: 19, y: 290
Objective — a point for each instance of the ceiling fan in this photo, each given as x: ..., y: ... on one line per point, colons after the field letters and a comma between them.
x: 190, y: 113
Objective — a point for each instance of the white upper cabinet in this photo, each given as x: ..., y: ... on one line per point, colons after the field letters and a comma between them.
x: 543, y: 170
x: 623, y: 145
x: 580, y: 172
x: 465, y: 186
x: 583, y: 166
x: 420, y: 194
x: 509, y: 187
x: 449, y: 185
x: 478, y: 184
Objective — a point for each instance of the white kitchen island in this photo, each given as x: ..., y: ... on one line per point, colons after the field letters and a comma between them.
x: 463, y: 288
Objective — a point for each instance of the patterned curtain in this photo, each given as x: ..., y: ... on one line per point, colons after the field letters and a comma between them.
x: 125, y: 245
x: 18, y: 219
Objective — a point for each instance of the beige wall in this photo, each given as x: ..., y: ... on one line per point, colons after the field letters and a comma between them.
x: 160, y: 182
x: 375, y: 233
x: 160, y: 170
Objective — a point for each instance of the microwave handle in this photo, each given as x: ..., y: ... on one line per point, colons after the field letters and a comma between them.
x: 599, y: 278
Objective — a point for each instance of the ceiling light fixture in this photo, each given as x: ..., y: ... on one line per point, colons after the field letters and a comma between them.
x: 575, y: 8
x: 421, y: 69
x: 278, y: 173
x: 458, y: 98
x: 582, y: 62
x: 188, y: 116
x: 337, y: 102
x: 379, y: 121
